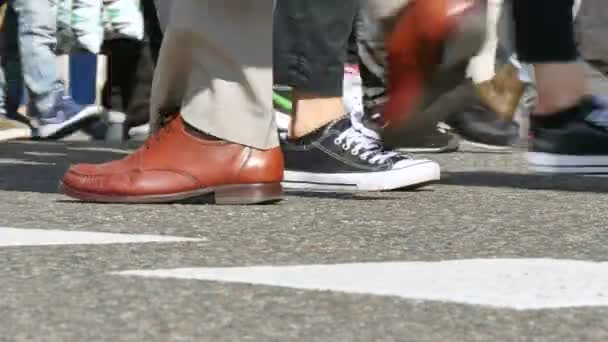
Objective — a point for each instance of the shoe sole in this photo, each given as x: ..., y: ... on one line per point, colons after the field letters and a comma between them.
x: 242, y: 194
x: 453, y: 145
x: 15, y: 134
x: 459, y: 47
x: 567, y: 164
x: 476, y: 144
x: 58, y: 131
x: 433, y: 150
x: 411, y: 177
x: 488, y: 147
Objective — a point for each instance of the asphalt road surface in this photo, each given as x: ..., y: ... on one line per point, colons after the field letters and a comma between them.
x: 489, y: 254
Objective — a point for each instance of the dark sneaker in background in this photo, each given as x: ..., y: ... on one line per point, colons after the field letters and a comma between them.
x: 572, y: 141
x: 340, y: 158
x: 65, y: 118
x: 436, y: 140
x: 483, y: 128
x: 431, y: 140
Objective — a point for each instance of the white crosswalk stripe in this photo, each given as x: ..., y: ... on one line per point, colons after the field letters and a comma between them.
x: 520, y: 284
x: 14, y: 237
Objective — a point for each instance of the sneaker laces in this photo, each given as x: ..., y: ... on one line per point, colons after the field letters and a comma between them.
x: 65, y: 101
x: 68, y: 99
x: 368, y: 149
x: 356, y: 120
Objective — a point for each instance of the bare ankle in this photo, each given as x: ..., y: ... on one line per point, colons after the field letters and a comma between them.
x: 312, y: 113
x: 560, y: 86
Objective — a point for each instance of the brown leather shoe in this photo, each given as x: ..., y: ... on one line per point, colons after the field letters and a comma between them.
x: 502, y: 93
x: 176, y: 165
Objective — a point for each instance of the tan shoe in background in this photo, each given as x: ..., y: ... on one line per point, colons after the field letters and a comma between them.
x: 11, y: 130
x: 503, y: 93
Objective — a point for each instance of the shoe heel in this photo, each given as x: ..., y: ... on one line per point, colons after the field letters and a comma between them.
x: 249, y: 193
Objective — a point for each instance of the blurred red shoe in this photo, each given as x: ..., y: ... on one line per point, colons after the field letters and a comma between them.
x: 429, y: 47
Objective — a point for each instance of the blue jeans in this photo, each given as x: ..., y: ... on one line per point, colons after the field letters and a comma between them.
x: 29, y: 37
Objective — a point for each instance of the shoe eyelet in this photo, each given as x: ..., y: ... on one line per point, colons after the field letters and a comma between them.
x: 337, y: 141
x: 354, y: 152
x: 345, y: 147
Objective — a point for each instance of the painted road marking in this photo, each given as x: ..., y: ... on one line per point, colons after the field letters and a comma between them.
x: 102, y: 149
x: 45, y: 154
x: 520, y: 284
x: 12, y: 161
x: 13, y: 237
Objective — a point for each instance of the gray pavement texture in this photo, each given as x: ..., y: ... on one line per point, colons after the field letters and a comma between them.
x: 486, y: 206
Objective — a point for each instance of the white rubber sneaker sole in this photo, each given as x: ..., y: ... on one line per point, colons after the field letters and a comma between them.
x: 60, y: 130
x: 418, y: 174
x: 567, y: 164
x: 491, y: 148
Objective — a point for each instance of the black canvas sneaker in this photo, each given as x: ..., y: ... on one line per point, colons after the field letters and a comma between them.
x: 340, y: 158
x: 572, y: 141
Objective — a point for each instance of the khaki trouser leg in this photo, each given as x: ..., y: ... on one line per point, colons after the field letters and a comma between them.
x: 216, y: 65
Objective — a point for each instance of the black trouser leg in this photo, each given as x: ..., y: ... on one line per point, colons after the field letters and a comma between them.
x: 544, y: 31
x: 372, y: 63
x: 310, y: 44
x: 153, y: 31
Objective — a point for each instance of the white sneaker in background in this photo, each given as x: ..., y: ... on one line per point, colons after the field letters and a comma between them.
x: 139, y: 133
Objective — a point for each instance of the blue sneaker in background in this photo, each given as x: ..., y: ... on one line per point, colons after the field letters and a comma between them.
x: 66, y: 117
